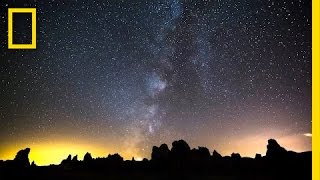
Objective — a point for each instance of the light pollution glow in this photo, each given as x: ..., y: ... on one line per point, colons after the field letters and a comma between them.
x: 45, y: 153
x: 53, y: 153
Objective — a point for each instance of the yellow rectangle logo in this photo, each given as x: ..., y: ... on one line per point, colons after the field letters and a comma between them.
x: 33, y: 44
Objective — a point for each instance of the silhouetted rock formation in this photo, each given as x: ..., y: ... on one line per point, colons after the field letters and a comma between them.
x: 235, y: 156
x: 115, y: 158
x: 22, y: 158
x: 200, y: 154
x: 75, y: 158
x: 178, y: 162
x: 68, y: 160
x: 87, y: 157
x: 180, y: 149
x: 258, y: 156
x: 33, y: 164
x: 160, y: 153
x: 216, y: 155
x: 274, y: 150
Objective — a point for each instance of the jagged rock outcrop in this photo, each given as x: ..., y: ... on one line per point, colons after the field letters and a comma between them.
x: 75, y: 158
x: 216, y: 155
x: 87, y: 157
x: 235, y: 156
x: 180, y: 149
x: 160, y: 153
x: 115, y: 158
x: 33, y: 164
x: 180, y: 161
x: 22, y: 158
x: 274, y: 150
x: 204, y: 152
x: 200, y: 154
x: 70, y: 162
x: 66, y: 163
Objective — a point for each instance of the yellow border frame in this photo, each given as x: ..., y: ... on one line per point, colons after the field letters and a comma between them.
x: 33, y: 44
x: 315, y: 91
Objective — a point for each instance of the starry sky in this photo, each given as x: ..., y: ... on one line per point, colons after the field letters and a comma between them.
x: 121, y: 76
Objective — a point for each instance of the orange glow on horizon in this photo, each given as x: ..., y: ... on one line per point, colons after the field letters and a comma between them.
x: 54, y: 153
x: 49, y: 152
x: 250, y: 145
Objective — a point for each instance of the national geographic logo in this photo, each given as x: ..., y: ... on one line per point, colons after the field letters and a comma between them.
x: 11, y: 12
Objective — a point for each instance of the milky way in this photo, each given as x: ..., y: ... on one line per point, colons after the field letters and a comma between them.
x: 122, y: 76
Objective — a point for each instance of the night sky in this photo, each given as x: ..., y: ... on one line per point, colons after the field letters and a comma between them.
x: 122, y: 76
